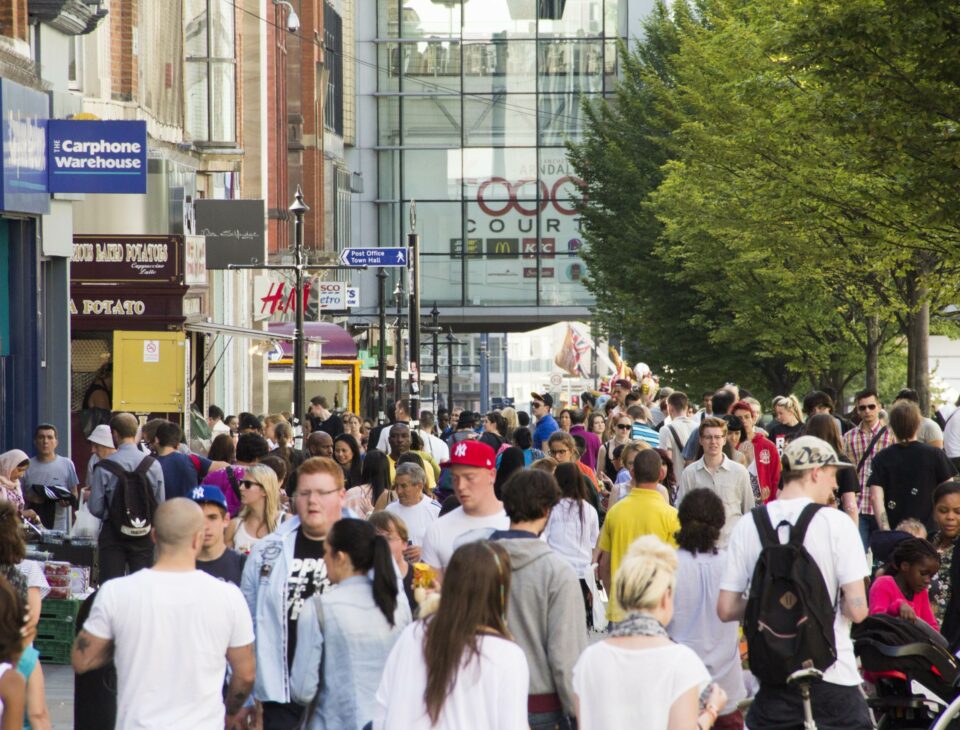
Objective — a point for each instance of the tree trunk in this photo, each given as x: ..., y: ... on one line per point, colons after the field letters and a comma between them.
x: 918, y: 342
x: 872, y: 352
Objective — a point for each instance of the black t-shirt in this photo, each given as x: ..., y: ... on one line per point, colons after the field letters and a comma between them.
x: 782, y: 435
x: 908, y: 474
x: 228, y: 567
x: 308, y: 575
x: 847, y: 478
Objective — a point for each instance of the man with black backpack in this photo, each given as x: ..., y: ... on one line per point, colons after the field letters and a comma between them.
x: 803, y: 564
x: 125, y: 491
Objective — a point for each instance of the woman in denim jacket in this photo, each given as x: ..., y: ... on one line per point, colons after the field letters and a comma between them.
x: 345, y: 635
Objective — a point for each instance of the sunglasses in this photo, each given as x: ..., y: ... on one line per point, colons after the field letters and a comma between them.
x: 624, y: 426
x: 536, y: 404
x: 247, y: 484
x: 867, y: 407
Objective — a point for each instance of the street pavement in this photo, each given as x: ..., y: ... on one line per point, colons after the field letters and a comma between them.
x: 59, y: 683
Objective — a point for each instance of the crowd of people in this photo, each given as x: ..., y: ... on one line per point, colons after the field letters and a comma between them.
x: 586, y: 566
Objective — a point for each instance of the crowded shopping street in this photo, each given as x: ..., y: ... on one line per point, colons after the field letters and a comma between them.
x: 479, y: 365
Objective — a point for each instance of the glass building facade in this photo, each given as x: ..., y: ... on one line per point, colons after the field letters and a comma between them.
x: 475, y: 100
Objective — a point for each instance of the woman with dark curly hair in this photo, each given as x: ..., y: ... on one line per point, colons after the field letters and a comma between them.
x: 695, y: 622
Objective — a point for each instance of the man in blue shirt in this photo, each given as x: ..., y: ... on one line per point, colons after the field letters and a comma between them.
x: 546, y: 423
x: 181, y: 473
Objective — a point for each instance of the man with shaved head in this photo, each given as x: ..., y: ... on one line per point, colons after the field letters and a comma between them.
x: 171, y: 630
x: 121, y: 553
x: 320, y: 443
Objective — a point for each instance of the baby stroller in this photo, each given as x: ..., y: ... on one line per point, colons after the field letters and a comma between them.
x: 916, y: 675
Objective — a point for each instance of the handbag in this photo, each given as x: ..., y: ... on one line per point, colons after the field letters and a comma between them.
x: 600, y: 600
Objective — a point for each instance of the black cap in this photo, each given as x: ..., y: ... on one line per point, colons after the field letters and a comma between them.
x: 545, y: 397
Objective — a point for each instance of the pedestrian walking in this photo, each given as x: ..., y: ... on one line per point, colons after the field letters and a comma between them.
x: 459, y: 668
x: 172, y: 630
x: 345, y: 636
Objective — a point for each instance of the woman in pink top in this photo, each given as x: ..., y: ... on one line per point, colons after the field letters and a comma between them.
x: 903, y: 590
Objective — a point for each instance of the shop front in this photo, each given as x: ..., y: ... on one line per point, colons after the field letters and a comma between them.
x: 130, y: 301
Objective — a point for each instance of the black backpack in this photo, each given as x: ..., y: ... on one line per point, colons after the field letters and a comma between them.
x: 789, y: 617
x: 133, y: 502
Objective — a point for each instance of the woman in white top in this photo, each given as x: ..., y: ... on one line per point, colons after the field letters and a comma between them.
x: 695, y: 622
x: 638, y: 677
x: 260, y: 511
x: 458, y: 668
x: 573, y: 527
x: 13, y: 686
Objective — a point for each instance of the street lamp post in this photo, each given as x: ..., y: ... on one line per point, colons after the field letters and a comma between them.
x: 435, y: 331
x: 398, y: 355
x: 298, y: 208
x: 451, y: 340
x: 413, y: 320
x: 382, y: 359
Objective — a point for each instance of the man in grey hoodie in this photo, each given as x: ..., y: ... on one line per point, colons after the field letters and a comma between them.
x: 545, y: 611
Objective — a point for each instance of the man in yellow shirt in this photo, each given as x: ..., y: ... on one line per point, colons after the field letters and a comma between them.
x: 642, y: 512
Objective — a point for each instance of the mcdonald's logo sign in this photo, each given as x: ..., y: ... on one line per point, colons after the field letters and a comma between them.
x: 503, y: 247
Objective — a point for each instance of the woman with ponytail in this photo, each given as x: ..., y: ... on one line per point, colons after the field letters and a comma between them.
x: 344, y: 636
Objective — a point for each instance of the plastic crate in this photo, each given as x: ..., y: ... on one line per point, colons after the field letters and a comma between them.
x: 54, y: 652
x: 56, y: 629
x: 64, y: 609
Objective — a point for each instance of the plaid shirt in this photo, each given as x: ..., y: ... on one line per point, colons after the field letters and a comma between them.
x: 855, y: 443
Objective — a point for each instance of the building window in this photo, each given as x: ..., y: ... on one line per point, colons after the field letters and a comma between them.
x: 333, y: 58
x: 341, y: 212
x: 210, y: 69
x: 75, y: 63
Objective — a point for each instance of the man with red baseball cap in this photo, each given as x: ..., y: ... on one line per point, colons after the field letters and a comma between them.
x: 473, y: 470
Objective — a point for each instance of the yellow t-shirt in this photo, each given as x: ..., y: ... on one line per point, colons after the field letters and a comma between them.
x: 641, y: 512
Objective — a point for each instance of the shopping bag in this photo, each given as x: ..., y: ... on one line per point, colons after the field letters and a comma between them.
x: 85, y: 524
x: 600, y: 600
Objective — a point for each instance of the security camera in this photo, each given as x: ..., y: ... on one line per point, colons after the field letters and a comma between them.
x: 293, y: 22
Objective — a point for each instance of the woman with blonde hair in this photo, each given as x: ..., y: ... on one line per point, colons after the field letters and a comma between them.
x: 638, y: 677
x: 260, y: 512
x: 786, y: 409
x: 269, y: 426
x: 513, y: 422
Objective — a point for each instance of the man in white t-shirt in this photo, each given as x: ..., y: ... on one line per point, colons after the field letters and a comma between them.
x: 675, y: 432
x: 810, y: 475
x: 414, y: 507
x: 472, y: 471
x: 171, y: 630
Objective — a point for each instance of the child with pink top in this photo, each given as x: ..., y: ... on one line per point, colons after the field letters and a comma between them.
x: 902, y: 591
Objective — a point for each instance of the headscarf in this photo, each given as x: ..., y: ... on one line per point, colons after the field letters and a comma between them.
x: 9, y: 461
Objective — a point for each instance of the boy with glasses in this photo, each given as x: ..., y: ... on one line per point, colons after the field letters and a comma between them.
x: 861, y: 444
x: 546, y: 424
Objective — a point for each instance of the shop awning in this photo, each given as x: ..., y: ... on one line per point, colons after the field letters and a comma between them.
x: 336, y: 342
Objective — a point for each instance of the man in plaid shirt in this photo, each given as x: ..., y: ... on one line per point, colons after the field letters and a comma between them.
x: 869, y: 438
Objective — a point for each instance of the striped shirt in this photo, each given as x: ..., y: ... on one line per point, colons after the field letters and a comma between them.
x: 643, y: 432
x: 855, y: 443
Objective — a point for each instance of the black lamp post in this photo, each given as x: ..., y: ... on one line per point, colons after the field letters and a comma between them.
x: 298, y: 208
x: 398, y: 354
x: 382, y: 357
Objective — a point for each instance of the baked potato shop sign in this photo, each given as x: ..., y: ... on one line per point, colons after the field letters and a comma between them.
x: 127, y: 282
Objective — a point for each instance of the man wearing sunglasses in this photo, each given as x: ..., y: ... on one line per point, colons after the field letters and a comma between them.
x: 541, y: 404
x: 862, y: 444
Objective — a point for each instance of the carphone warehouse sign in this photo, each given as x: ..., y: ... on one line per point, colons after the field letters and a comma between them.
x: 86, y: 156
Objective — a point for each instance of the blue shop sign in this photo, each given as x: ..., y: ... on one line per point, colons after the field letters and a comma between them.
x: 23, y: 141
x: 88, y: 156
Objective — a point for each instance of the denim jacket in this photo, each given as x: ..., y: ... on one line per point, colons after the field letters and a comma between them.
x: 264, y: 586
x: 353, y: 645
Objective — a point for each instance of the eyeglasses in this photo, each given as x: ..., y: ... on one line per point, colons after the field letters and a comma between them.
x: 318, y: 492
x: 247, y: 484
x: 624, y: 426
x: 867, y: 407
x: 713, y: 438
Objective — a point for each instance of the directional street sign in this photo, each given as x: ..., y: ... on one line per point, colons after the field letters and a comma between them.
x: 374, y: 257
